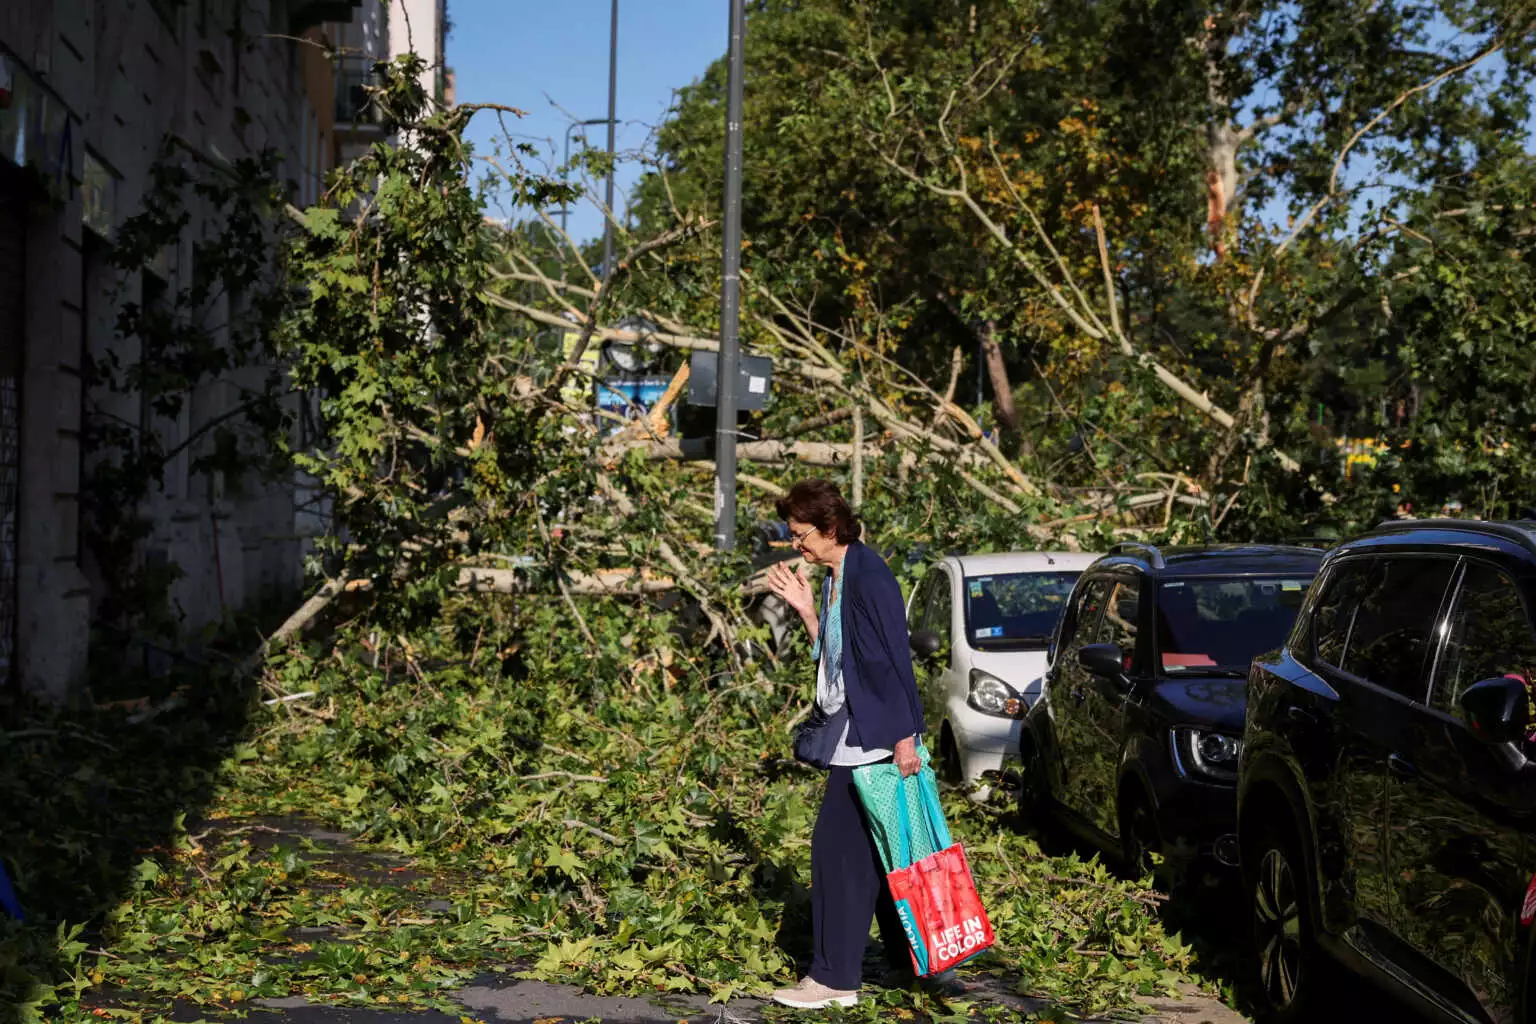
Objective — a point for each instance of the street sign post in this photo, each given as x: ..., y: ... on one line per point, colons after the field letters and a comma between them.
x: 730, y: 293
x: 754, y: 382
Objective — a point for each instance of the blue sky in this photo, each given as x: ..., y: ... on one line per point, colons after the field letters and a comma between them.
x: 550, y: 58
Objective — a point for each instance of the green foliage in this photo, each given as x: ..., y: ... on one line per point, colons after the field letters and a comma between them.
x: 599, y: 786
x: 635, y: 830
x: 630, y: 824
x: 1043, y: 111
x: 93, y: 797
x: 416, y: 387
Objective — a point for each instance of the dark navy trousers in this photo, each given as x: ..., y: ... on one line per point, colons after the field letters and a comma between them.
x: 848, y: 890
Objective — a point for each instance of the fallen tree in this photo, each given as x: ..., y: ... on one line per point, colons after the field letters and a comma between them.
x: 458, y: 465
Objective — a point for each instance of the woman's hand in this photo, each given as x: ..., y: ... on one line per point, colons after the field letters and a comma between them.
x: 906, y: 757
x: 794, y: 587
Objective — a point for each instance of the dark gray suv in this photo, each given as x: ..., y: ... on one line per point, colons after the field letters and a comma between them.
x: 1134, y: 742
x: 1387, y: 792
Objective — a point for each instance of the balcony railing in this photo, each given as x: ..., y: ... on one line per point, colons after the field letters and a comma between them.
x: 354, y: 103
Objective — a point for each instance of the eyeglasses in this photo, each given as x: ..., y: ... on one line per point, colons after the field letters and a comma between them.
x: 799, y: 538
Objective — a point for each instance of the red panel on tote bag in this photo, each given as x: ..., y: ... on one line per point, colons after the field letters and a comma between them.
x: 936, y: 898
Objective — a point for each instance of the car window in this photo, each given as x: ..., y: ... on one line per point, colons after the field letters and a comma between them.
x: 1015, y: 609
x: 1086, y: 609
x: 1490, y: 635
x: 1122, y: 611
x: 1334, y: 613
x: 940, y: 607
x: 919, y: 605
x: 1224, y: 622
x: 1395, y: 622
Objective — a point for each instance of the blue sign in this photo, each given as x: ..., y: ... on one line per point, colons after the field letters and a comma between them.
x: 630, y: 397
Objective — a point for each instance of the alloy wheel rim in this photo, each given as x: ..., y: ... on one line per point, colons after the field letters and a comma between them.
x: 1277, y: 920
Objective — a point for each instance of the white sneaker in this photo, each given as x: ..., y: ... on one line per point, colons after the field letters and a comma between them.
x: 811, y: 994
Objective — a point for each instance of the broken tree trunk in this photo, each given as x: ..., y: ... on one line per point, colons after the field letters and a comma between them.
x: 997, y: 373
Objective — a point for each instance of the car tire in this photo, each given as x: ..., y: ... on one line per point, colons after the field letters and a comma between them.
x: 1032, y: 786
x: 1292, y: 972
x: 1140, y: 837
x: 950, y: 768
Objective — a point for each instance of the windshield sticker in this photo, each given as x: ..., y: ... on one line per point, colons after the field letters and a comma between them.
x: 988, y: 632
x: 1292, y: 585
x: 976, y: 585
x: 1172, y: 586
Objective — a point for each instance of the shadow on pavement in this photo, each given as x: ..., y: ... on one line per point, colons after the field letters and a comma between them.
x: 92, y: 799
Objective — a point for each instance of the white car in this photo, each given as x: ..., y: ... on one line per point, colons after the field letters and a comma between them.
x: 980, y: 628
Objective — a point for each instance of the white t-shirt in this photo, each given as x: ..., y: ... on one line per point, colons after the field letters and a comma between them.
x: 846, y: 753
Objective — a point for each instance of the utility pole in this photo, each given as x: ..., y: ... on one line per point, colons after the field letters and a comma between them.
x: 730, y: 296
x: 613, y: 92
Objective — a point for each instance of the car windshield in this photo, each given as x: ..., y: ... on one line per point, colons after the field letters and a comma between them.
x: 1217, y: 626
x: 1016, y: 609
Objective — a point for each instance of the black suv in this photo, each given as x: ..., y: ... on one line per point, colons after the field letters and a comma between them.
x: 1134, y: 742
x: 1387, y: 804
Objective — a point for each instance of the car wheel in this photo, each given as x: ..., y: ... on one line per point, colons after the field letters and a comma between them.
x: 949, y: 757
x: 1032, y: 787
x: 1140, y: 838
x: 1290, y: 966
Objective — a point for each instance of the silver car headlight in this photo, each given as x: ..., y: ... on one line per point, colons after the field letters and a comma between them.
x: 1203, y: 752
x: 991, y: 696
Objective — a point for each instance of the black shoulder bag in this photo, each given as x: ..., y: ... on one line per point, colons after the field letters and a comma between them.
x: 817, y: 737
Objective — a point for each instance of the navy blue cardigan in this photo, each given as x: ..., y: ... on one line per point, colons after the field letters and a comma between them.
x: 883, y: 705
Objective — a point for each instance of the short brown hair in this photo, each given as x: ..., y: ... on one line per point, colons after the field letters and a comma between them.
x: 821, y: 504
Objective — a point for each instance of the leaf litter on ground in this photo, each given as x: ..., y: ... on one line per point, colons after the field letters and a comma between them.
x: 632, y: 833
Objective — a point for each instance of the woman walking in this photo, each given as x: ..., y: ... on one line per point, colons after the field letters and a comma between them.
x: 863, y: 665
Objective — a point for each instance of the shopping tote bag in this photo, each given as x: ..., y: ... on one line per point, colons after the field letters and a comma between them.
x: 880, y: 786
x: 935, y: 895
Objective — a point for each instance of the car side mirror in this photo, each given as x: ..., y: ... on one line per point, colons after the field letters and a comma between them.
x: 925, y: 643
x: 1497, y: 710
x: 1106, y: 660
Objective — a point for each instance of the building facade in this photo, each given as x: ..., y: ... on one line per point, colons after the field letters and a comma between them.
x: 382, y: 30
x: 89, y: 92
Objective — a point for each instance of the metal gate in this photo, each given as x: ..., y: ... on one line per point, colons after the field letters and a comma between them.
x: 12, y: 306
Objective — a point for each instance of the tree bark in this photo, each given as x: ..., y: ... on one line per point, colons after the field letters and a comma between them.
x: 1222, y: 137
x: 858, y: 458
x: 997, y: 372
x: 810, y: 453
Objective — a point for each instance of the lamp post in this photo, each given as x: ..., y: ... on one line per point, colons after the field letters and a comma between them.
x: 613, y: 85
x: 612, y: 122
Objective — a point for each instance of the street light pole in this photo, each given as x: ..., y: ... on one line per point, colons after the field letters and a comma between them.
x: 730, y: 296
x: 613, y: 84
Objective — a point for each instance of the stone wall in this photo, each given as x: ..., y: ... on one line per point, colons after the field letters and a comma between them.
x: 110, y: 81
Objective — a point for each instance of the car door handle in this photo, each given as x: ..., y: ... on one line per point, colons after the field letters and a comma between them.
x: 1301, y: 715
x: 1400, y: 767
